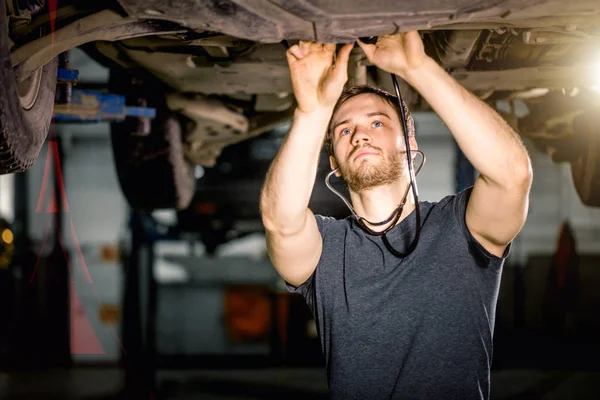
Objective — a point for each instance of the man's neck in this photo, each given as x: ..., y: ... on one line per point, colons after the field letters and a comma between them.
x: 379, y: 203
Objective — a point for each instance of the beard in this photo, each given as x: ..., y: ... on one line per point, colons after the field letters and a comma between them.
x: 367, y: 175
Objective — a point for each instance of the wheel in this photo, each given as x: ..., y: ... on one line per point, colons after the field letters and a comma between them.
x: 25, y: 108
x: 585, y: 170
x: 151, y: 168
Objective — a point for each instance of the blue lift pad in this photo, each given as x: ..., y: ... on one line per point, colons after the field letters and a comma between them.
x: 68, y: 75
x: 95, y: 106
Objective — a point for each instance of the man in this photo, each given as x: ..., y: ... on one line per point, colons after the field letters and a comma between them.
x: 414, y: 327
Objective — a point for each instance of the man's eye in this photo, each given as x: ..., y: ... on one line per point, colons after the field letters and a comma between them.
x: 345, y: 131
x: 377, y: 124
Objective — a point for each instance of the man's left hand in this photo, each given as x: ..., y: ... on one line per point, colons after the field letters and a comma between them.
x: 399, y: 54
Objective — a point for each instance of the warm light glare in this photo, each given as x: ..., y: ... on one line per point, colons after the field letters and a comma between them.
x: 596, y: 75
x: 7, y: 236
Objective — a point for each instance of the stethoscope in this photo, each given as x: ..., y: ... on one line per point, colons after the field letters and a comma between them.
x: 395, y: 216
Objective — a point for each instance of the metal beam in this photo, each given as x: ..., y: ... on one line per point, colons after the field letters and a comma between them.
x: 526, y: 78
x: 106, y: 25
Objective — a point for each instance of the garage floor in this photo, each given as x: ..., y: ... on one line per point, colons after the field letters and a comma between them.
x: 296, y: 383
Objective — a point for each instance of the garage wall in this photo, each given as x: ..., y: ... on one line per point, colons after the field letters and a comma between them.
x: 95, y: 204
x: 97, y: 207
x: 98, y: 214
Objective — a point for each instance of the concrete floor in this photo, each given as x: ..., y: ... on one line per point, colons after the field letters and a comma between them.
x: 288, y: 383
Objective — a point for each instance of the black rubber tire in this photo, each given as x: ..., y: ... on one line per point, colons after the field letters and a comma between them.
x: 22, y: 132
x: 152, y: 171
x: 585, y: 170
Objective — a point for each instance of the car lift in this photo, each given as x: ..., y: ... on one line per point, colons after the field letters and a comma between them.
x: 91, y: 106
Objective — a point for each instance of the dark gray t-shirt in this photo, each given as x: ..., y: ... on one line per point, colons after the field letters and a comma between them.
x: 418, y: 327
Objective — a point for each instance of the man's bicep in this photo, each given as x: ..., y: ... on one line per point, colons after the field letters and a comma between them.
x: 295, y: 257
x: 495, y: 214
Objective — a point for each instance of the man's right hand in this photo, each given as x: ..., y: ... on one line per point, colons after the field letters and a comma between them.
x: 318, y: 82
x: 294, y: 242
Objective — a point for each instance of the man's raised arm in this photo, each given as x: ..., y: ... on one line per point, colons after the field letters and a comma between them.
x: 293, y: 239
x: 498, y: 205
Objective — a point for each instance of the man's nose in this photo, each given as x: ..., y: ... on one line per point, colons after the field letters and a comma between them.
x: 360, y: 136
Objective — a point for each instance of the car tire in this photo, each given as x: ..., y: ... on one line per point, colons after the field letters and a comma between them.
x: 585, y: 170
x: 151, y: 168
x: 25, y: 110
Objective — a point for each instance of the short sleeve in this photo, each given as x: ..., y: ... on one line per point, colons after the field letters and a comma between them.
x: 483, y: 257
x: 307, y: 289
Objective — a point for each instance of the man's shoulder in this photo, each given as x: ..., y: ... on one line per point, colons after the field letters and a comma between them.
x: 447, y: 211
x: 326, y: 222
x: 450, y: 202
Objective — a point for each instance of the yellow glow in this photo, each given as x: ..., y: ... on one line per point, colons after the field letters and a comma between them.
x: 596, y: 75
x: 7, y: 236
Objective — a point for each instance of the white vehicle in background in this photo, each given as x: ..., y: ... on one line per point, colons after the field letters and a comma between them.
x: 216, y: 73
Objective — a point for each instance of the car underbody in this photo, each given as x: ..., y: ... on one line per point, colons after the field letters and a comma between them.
x: 221, y: 64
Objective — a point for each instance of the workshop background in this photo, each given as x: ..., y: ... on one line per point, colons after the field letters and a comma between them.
x: 144, y: 309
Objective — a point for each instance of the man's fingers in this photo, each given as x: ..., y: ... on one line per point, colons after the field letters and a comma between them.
x: 412, y: 42
x: 316, y: 46
x: 368, y: 49
x: 291, y: 59
x: 329, y: 47
x: 304, y: 46
x: 341, y: 63
x: 296, y: 51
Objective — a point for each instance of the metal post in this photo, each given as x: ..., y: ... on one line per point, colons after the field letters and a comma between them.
x: 139, y: 332
x: 58, y: 286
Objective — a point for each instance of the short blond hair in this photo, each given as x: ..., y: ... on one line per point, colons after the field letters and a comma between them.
x: 353, y: 91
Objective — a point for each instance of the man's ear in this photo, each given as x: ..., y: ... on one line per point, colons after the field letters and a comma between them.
x: 334, y: 166
x: 413, y: 146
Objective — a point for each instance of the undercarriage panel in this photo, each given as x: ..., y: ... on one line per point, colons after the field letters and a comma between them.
x: 341, y: 20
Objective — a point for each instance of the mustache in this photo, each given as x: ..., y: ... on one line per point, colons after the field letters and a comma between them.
x: 366, y: 146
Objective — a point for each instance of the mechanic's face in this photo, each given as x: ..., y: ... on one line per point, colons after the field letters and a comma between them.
x: 368, y: 143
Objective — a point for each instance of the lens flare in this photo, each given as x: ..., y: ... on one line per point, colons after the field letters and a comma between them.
x: 596, y: 75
